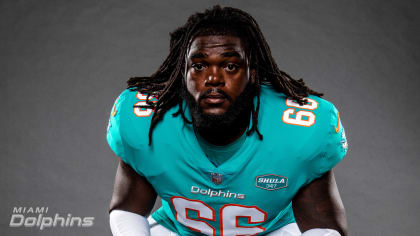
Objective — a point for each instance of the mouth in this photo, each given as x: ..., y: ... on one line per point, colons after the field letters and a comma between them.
x: 214, y: 98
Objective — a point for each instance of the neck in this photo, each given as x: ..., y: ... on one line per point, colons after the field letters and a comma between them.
x: 225, y: 135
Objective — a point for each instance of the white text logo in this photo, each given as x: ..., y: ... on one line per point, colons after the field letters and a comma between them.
x: 37, y: 217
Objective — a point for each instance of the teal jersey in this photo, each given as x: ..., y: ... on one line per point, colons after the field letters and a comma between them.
x: 249, y: 193
x: 218, y: 154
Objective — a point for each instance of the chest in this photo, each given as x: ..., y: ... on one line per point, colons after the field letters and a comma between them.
x: 257, y: 176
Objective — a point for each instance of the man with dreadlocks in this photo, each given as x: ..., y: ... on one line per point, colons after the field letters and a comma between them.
x: 226, y: 139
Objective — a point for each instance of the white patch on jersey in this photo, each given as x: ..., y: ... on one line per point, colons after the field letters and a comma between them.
x: 271, y: 182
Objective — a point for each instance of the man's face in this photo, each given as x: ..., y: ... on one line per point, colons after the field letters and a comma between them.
x: 217, y: 72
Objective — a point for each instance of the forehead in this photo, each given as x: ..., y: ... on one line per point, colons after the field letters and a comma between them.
x: 216, y: 44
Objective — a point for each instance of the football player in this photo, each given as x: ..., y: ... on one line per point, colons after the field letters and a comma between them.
x: 231, y: 144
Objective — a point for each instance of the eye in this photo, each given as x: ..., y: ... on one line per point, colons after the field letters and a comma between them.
x: 198, y: 66
x: 231, y: 67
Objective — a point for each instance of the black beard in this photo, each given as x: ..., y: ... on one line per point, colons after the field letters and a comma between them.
x: 237, y: 114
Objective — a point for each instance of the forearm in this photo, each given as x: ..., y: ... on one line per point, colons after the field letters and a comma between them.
x: 132, y: 201
x: 293, y: 230
x: 124, y: 223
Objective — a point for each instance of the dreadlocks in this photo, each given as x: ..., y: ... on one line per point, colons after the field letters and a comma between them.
x: 166, y: 83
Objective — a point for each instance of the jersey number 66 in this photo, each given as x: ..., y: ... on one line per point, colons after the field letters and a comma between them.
x: 229, y: 216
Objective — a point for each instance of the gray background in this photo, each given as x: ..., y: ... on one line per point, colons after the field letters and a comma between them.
x: 64, y: 62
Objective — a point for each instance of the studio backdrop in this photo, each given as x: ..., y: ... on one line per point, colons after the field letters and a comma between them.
x: 63, y: 63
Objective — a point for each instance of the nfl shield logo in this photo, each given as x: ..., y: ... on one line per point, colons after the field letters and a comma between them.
x: 216, y: 178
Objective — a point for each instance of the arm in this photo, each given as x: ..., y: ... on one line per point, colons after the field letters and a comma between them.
x: 132, y: 192
x: 318, y: 205
x: 131, y: 202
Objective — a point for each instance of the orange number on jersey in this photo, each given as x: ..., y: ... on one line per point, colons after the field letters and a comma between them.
x: 301, y: 117
x: 142, y: 112
x: 229, y: 217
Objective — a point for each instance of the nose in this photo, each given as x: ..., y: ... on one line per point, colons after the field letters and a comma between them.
x: 214, y: 78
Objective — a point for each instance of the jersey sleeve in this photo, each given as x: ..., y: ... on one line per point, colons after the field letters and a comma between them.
x: 127, y: 133
x: 113, y: 136
x: 335, y: 143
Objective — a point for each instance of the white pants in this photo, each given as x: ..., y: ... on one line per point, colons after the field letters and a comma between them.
x: 158, y: 230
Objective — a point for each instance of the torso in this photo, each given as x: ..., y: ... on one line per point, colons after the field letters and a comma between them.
x: 256, y: 185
